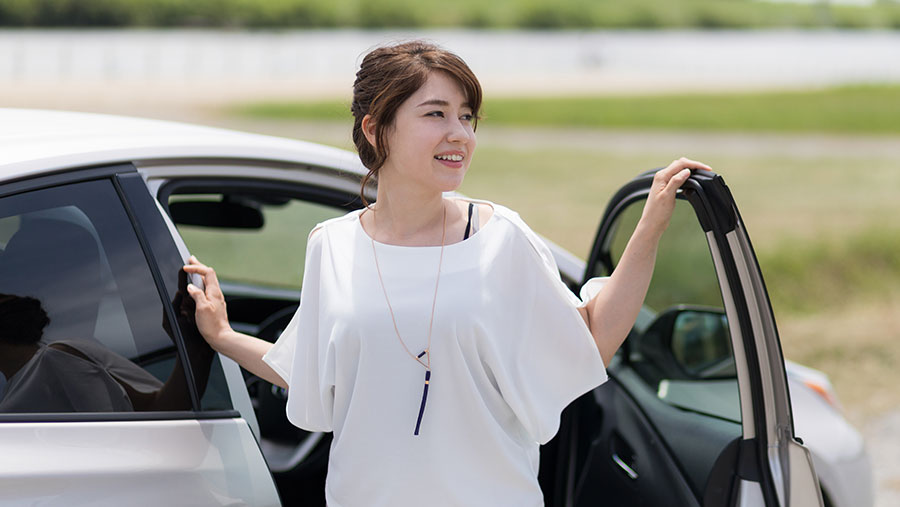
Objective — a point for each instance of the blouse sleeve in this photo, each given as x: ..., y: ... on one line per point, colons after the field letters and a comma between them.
x: 301, y: 354
x: 551, y: 358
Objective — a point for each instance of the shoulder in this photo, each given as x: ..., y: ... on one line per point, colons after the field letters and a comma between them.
x: 489, y: 210
x: 519, y: 230
x: 514, y: 222
x: 342, y: 224
x: 504, y: 214
x: 484, y: 209
x: 509, y: 225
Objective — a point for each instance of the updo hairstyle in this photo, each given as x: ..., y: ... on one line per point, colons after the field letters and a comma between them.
x: 22, y: 320
x: 387, y: 77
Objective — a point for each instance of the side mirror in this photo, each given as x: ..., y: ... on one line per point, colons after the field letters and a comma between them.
x: 689, y: 343
x: 701, y: 343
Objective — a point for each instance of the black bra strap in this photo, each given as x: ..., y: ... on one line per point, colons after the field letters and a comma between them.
x: 469, y: 223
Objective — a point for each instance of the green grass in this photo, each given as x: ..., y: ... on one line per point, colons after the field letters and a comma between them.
x: 858, y: 109
x: 809, y: 276
x: 504, y: 14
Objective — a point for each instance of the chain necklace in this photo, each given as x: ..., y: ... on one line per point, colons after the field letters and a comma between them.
x: 427, y: 352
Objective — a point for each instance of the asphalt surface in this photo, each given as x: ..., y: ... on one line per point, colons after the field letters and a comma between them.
x: 883, y: 442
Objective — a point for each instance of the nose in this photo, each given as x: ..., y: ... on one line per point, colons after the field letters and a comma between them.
x: 460, y: 131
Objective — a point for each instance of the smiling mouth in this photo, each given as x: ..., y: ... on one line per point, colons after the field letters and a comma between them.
x: 450, y: 158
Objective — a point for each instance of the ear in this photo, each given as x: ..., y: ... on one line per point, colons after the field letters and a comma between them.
x: 368, y: 128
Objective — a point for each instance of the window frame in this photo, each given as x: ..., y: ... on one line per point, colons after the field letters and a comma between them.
x: 279, y: 189
x: 123, y: 177
x: 719, y: 218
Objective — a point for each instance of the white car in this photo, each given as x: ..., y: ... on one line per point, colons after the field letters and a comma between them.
x: 118, y: 401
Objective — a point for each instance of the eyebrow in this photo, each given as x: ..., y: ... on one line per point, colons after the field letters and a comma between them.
x: 440, y: 102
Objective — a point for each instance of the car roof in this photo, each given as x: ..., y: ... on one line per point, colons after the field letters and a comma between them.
x: 34, y: 142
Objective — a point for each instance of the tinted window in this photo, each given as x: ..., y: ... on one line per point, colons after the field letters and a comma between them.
x: 82, y: 325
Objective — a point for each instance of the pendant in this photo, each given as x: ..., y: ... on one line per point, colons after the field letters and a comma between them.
x: 424, y: 398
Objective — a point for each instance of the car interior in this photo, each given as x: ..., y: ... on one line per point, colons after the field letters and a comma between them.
x: 652, y: 435
x: 225, y: 222
x: 58, y: 249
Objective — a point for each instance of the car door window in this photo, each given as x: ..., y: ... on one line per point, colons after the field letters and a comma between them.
x: 257, y: 240
x: 82, y: 324
x: 678, y: 359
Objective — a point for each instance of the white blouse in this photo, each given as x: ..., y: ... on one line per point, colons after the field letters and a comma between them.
x: 509, y: 351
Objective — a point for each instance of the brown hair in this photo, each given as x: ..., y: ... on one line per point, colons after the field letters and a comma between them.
x: 387, y: 77
x: 22, y: 320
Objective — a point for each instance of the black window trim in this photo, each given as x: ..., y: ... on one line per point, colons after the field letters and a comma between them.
x: 160, y: 286
x: 63, y: 177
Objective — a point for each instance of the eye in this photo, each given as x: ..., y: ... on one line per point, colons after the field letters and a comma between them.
x: 467, y: 117
x: 436, y: 114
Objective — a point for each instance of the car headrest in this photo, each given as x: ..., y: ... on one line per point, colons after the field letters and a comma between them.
x: 58, y: 263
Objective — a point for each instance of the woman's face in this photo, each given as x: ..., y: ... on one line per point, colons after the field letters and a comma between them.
x: 432, y: 139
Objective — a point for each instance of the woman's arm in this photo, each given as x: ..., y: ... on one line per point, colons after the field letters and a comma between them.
x: 613, y: 311
x: 212, y: 321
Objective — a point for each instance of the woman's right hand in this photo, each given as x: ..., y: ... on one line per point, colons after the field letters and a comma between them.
x: 211, y: 316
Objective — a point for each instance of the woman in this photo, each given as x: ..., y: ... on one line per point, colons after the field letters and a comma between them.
x: 419, y: 283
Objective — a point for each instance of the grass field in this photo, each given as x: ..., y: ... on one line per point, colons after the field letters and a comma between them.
x: 822, y: 220
x: 826, y: 236
x: 503, y: 14
x: 858, y: 109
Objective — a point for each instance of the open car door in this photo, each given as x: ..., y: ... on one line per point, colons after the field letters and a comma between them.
x: 697, y: 410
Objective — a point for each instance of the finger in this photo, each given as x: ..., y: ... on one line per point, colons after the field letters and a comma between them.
x: 672, y: 169
x: 210, y: 280
x: 678, y: 180
x: 198, y: 295
x: 679, y: 165
x: 192, y: 261
x: 193, y: 268
x: 208, y: 273
x: 693, y: 164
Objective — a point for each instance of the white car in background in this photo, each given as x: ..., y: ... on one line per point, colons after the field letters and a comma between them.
x: 118, y: 401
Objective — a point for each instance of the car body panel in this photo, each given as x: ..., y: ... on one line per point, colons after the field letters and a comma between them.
x: 139, y: 463
x: 839, y: 452
x: 39, y: 142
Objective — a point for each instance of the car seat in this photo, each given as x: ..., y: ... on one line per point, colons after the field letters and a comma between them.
x: 58, y: 263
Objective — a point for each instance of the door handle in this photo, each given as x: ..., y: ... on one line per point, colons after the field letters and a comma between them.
x: 625, y: 467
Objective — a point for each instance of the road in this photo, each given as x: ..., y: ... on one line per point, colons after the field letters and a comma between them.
x: 883, y: 440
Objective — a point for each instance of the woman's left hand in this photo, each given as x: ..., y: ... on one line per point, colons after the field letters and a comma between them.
x: 661, y: 201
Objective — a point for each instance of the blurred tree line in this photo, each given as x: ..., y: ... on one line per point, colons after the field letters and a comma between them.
x: 527, y: 14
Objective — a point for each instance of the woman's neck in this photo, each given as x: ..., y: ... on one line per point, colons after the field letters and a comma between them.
x: 403, y: 216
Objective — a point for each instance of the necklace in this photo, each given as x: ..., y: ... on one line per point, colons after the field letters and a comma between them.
x: 427, y: 352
